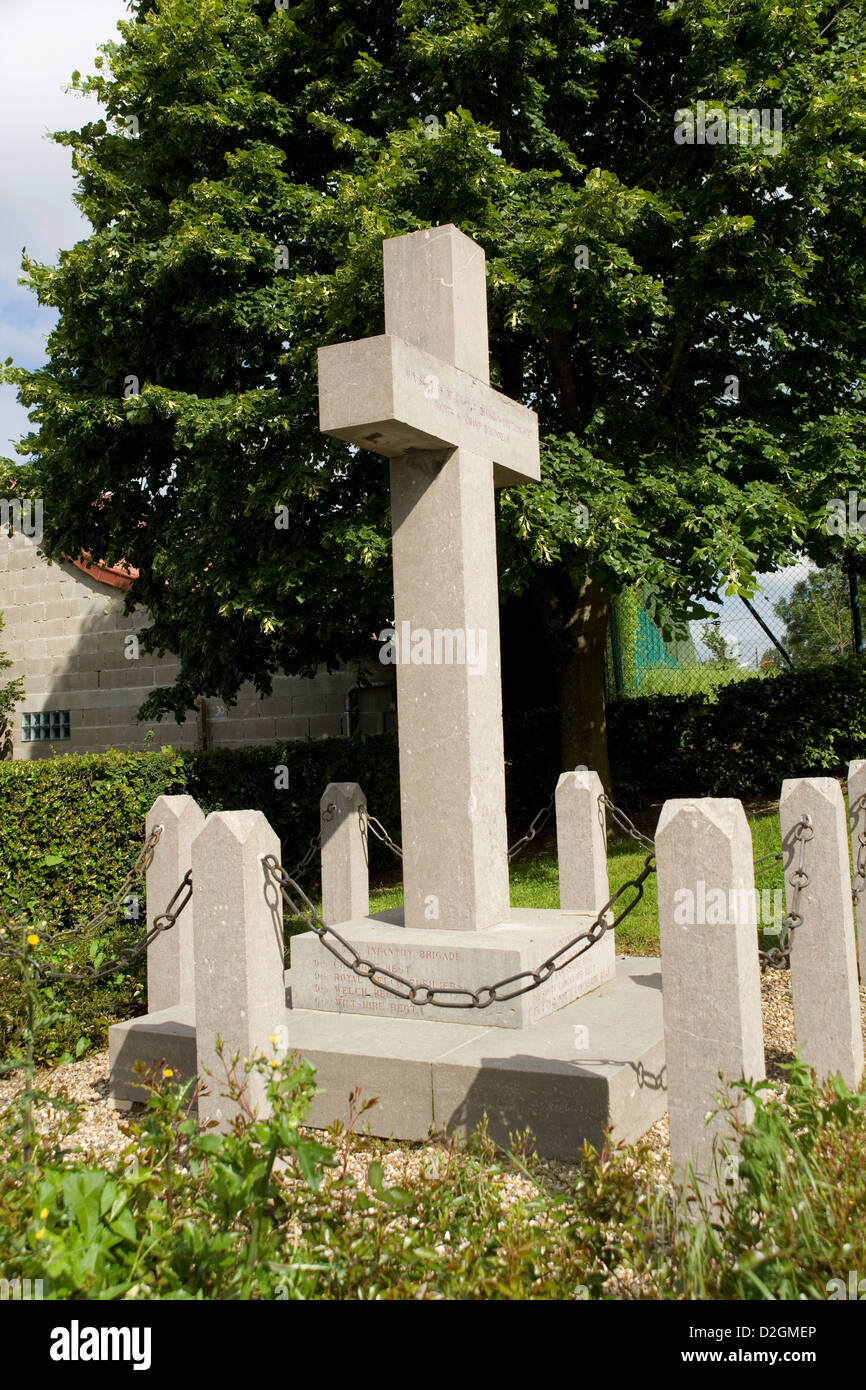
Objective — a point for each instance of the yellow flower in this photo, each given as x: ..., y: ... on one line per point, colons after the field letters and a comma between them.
x: 43, y: 1215
x: 274, y: 1040
x: 275, y: 1064
x: 32, y: 939
x: 40, y: 1234
x: 167, y: 1073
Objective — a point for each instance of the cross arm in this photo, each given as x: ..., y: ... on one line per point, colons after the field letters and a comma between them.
x: 388, y: 396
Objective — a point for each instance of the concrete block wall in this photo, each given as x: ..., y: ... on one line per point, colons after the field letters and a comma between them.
x: 65, y: 634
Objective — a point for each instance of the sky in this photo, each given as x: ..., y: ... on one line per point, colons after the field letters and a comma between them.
x: 43, y: 42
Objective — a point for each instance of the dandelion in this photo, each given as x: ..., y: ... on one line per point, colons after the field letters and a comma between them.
x: 32, y: 939
x: 40, y: 1234
x: 274, y: 1064
x: 167, y: 1073
x: 43, y: 1215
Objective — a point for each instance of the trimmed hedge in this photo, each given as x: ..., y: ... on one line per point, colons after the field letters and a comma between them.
x: 745, y: 740
x: 742, y: 740
x: 71, y: 826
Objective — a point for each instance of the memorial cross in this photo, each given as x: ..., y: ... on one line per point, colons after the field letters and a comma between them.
x: 420, y: 395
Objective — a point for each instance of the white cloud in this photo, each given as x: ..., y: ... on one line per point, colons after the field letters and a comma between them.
x: 43, y: 42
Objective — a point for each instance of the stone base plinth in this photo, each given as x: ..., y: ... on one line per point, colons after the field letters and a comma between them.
x: 165, y: 1037
x: 452, y: 960
x: 595, y: 1063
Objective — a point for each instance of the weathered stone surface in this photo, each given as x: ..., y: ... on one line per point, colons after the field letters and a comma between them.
x: 711, y: 973
x: 436, y: 296
x: 452, y: 961
x: 385, y: 395
x: 170, y: 960
x: 345, y: 866
x: 240, y: 992
x: 599, y: 1061
x: 823, y: 950
x: 164, y: 1038
x: 452, y: 759
x: 581, y: 842
x: 857, y: 816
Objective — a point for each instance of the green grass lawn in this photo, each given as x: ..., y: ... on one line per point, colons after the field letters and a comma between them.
x: 535, y: 883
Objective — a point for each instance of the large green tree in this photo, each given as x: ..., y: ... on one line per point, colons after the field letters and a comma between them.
x: 688, y: 320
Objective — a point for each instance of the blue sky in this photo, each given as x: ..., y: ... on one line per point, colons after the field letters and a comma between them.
x: 42, y: 42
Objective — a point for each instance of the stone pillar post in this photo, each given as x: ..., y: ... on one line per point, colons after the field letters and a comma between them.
x: 581, y: 842
x: 345, y: 866
x: 823, y: 950
x: 170, y: 959
x: 711, y: 984
x: 239, y: 977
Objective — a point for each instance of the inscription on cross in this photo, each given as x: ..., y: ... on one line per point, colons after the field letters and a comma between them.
x: 420, y: 394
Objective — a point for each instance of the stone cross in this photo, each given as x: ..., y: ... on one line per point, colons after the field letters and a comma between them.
x: 420, y: 395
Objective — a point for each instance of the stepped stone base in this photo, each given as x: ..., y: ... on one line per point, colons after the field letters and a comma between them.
x: 596, y: 1062
x: 452, y: 960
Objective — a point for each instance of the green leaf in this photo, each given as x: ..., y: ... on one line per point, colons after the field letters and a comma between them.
x: 123, y: 1225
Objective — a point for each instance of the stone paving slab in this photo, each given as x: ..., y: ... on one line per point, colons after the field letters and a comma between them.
x: 595, y: 1062
x: 166, y: 1036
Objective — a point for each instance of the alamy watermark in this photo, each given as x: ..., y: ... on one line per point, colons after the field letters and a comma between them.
x: 846, y: 519
x: 18, y: 1290
x: 732, y: 125
x: 443, y: 646
x: 727, y: 907
x: 77, y: 1343
x: 25, y: 517
x: 855, y: 1289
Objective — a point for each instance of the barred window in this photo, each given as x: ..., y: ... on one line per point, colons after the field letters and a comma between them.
x: 50, y: 726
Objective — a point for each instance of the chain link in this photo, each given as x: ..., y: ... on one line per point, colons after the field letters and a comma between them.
x: 779, y: 957
x: 626, y: 824
x: 43, y: 973
x: 312, y: 850
x: 142, y: 863
x: 858, y: 883
x: 765, y: 860
x: 424, y: 994
x: 538, y: 823
x: 369, y: 823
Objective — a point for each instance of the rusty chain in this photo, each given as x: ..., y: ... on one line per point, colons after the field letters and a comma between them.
x: 626, y: 824
x: 369, y: 823
x: 43, y: 973
x: 538, y: 823
x: 858, y: 883
x: 779, y: 957
x: 312, y: 850
x: 142, y: 863
x: 424, y: 994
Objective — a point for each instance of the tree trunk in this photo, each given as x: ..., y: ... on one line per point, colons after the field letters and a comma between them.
x: 577, y: 618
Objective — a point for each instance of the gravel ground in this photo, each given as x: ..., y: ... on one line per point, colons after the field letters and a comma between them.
x: 100, y: 1134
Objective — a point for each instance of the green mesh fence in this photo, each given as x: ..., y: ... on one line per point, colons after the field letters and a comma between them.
x: 806, y: 610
